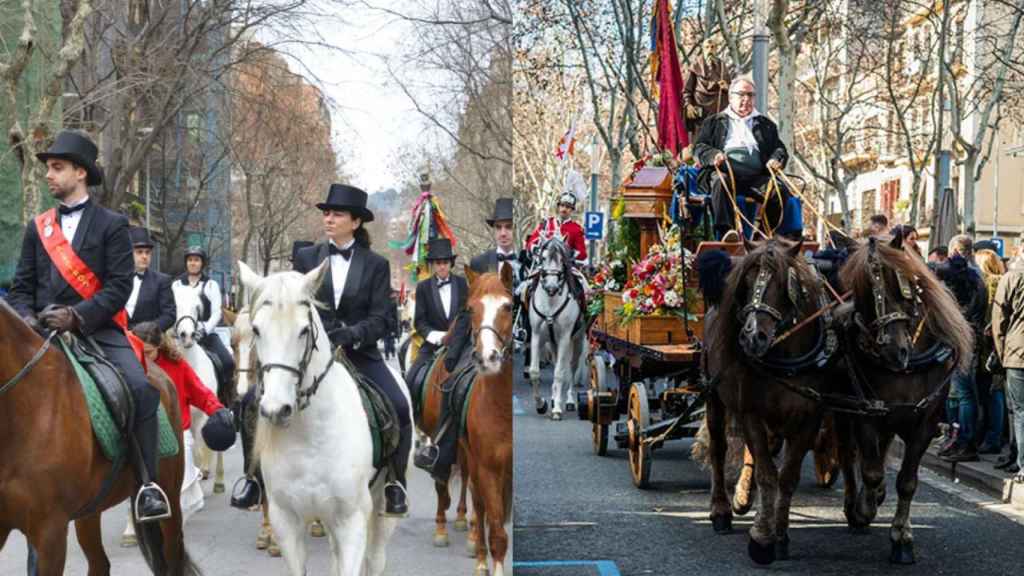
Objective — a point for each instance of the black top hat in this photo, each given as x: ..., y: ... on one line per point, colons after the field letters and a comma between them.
x: 502, y: 211
x: 78, y: 149
x: 350, y: 198
x: 440, y: 249
x: 299, y: 245
x: 140, y: 237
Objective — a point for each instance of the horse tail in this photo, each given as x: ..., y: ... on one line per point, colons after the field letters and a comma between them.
x: 151, y: 543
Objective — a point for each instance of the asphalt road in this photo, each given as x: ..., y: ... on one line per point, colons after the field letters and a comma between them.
x: 579, y: 514
x: 222, y: 539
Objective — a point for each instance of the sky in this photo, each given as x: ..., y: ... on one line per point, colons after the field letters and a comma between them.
x: 370, y: 120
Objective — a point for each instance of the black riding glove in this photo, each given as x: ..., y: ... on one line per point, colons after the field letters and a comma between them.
x: 343, y: 337
x: 60, y: 318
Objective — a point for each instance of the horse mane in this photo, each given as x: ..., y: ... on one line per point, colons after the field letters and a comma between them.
x: 725, y: 338
x: 944, y: 322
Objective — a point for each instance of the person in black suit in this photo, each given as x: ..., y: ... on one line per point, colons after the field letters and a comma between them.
x: 42, y: 296
x: 394, y: 329
x: 356, y: 291
x: 152, y: 299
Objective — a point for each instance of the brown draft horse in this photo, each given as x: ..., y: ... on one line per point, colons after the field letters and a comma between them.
x: 768, y: 386
x: 907, y: 338
x: 51, y: 465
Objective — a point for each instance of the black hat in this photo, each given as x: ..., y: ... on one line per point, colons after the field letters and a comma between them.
x: 440, y: 249
x: 196, y: 251
x: 77, y: 149
x: 299, y: 245
x: 502, y: 211
x: 140, y: 237
x: 219, y: 430
x: 986, y: 245
x: 350, y: 198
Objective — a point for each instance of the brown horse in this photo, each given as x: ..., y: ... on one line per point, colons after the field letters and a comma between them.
x: 488, y: 439
x: 907, y: 338
x: 50, y: 440
x: 767, y: 384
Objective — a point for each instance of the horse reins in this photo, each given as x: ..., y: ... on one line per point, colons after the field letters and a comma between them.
x: 302, y: 396
x: 30, y: 365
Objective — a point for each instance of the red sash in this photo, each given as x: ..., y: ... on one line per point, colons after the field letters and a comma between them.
x: 77, y: 273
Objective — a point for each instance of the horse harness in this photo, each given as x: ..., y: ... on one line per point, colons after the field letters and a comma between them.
x: 549, y: 320
x: 302, y: 396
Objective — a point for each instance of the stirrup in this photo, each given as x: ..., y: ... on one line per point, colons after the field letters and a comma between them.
x: 236, y: 500
x: 425, y: 457
x: 138, y: 501
x: 384, y: 513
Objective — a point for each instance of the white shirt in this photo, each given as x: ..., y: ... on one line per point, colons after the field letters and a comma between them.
x: 511, y: 263
x: 740, y: 134
x: 339, y: 270
x: 69, y: 222
x: 134, y: 298
x: 212, y: 291
x: 446, y: 297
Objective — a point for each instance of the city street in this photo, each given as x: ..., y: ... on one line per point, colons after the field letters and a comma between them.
x: 222, y: 539
x: 579, y: 514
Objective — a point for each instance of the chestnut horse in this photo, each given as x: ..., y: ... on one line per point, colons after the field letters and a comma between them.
x: 49, y: 437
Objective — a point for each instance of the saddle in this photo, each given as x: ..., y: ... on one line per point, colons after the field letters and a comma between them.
x: 380, y: 414
x: 218, y: 368
x: 456, y: 392
x: 109, y: 400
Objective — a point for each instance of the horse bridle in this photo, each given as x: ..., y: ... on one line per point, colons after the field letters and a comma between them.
x: 506, y: 345
x: 908, y: 290
x: 194, y: 320
x: 558, y: 274
x: 794, y: 291
x: 302, y: 397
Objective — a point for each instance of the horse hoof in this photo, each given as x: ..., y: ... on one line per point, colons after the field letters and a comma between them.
x: 902, y: 552
x: 218, y: 488
x: 129, y: 541
x: 461, y: 525
x: 481, y: 571
x: 762, y: 555
x: 274, y: 550
x: 262, y: 541
x: 542, y: 406
x: 722, y: 524
x: 556, y: 416
x: 440, y: 540
x: 782, y: 549
x: 316, y: 530
x: 471, y: 548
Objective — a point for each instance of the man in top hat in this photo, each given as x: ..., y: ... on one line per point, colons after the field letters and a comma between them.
x: 195, y: 276
x: 75, y: 275
x: 152, y: 299
x: 356, y: 293
x: 439, y: 299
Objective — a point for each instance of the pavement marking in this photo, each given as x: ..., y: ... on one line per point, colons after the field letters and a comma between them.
x: 604, y: 567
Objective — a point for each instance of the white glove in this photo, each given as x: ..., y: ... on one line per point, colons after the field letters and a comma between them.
x: 435, y: 337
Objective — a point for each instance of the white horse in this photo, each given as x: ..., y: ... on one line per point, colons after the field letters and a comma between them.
x: 189, y: 306
x: 313, y: 438
x: 553, y: 316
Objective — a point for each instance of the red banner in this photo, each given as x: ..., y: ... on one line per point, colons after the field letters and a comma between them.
x: 77, y: 273
x: 665, y: 64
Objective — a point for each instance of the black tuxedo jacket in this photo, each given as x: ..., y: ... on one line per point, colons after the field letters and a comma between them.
x: 155, y: 302
x: 101, y: 242
x: 430, y: 314
x: 366, y: 301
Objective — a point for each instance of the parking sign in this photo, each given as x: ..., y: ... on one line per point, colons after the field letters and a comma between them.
x: 593, y: 225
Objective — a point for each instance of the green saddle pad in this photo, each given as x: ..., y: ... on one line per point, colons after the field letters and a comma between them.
x: 103, y: 425
x: 379, y: 416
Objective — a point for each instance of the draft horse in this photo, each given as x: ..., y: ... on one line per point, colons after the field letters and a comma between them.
x: 49, y: 440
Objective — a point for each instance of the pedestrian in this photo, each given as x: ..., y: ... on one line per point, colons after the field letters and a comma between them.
x: 355, y: 292
x: 878, y: 225
x: 152, y: 299
x: 991, y: 383
x: 1008, y: 339
x: 938, y: 255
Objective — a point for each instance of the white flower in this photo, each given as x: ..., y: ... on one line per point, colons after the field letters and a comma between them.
x: 672, y: 299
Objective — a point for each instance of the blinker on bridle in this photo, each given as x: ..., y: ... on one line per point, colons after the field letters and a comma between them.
x: 908, y: 291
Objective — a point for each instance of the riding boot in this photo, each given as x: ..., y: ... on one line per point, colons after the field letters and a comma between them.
x: 151, y: 502
x: 246, y: 492
x: 396, y: 501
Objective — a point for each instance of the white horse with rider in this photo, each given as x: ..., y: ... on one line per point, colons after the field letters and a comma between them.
x: 557, y: 325
x: 313, y: 438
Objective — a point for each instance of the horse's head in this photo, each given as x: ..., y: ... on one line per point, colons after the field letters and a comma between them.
x: 189, y: 306
x: 887, y: 297
x: 490, y: 303
x: 242, y: 338
x: 289, y: 339
x: 769, y: 291
x: 554, y: 264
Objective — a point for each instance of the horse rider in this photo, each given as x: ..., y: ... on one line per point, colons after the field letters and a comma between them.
x: 152, y: 299
x: 195, y: 276
x: 706, y: 91
x: 75, y: 272
x: 739, y: 143
x: 394, y: 328
x: 356, y: 291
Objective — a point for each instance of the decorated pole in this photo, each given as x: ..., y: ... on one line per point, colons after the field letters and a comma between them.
x: 428, y: 222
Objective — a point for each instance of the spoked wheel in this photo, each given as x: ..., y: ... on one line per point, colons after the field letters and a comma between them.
x: 598, y: 378
x: 639, y: 419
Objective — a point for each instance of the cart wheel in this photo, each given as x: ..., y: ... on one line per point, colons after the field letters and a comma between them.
x: 598, y: 383
x: 639, y: 419
x: 599, y: 437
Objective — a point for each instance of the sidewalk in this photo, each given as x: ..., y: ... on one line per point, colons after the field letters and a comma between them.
x: 980, y: 474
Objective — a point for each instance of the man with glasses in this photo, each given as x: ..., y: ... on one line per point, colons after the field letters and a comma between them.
x: 737, y: 148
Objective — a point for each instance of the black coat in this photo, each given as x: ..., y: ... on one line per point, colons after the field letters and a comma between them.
x: 715, y: 130
x: 488, y: 262
x: 430, y: 314
x: 101, y: 242
x: 365, y: 305
x: 155, y: 302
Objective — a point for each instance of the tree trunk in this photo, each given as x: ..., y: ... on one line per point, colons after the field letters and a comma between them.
x: 970, y: 161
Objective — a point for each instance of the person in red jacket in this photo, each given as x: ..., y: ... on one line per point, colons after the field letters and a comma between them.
x: 571, y: 231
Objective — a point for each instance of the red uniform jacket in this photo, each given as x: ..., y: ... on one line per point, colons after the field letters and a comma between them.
x: 571, y: 231
x: 191, y: 390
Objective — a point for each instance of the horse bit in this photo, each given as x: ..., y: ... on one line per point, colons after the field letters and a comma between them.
x: 302, y: 397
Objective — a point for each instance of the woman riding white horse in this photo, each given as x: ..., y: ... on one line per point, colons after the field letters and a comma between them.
x: 557, y: 326
x: 313, y: 439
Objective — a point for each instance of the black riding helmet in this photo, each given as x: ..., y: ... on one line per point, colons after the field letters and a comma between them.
x: 197, y: 251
